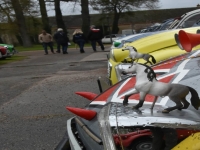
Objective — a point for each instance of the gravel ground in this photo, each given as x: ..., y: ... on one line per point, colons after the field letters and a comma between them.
x: 34, y: 94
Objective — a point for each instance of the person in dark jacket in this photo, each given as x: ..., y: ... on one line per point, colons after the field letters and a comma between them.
x: 58, y: 45
x: 62, y: 39
x: 79, y: 38
x: 95, y: 36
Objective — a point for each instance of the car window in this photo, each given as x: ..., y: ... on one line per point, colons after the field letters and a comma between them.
x: 191, y: 21
x: 113, y: 36
x: 173, y: 24
x: 166, y: 25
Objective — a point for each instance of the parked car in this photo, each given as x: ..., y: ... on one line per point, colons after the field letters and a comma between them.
x: 151, y: 28
x: 107, y: 38
x: 3, y: 52
x: 186, y: 20
x: 106, y: 124
x: 128, y: 31
x: 11, y: 49
x: 161, y: 45
x: 118, y: 43
x: 165, y: 24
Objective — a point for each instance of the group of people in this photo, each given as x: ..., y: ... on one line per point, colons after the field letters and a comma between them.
x: 94, y: 36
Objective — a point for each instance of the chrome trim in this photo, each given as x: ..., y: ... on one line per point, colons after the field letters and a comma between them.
x: 112, y: 55
x: 146, y: 117
x: 105, y: 129
x: 72, y: 139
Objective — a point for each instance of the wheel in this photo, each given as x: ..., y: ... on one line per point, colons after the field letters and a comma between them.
x: 142, y: 144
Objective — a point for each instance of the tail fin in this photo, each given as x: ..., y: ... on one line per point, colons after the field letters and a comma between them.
x: 153, y: 59
x: 195, y: 98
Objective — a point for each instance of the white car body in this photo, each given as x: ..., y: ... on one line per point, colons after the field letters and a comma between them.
x: 187, y: 20
x: 107, y: 38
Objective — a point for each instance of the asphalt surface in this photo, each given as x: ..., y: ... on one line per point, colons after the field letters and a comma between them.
x: 34, y: 94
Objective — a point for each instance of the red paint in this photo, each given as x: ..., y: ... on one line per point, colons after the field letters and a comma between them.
x: 129, y: 85
x: 169, y: 64
x: 104, y: 96
x: 3, y: 50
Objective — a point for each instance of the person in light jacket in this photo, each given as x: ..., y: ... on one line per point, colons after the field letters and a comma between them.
x: 79, y: 38
x: 46, y: 40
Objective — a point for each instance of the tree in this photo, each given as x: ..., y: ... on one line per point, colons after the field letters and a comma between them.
x: 20, y: 20
x: 117, y: 7
x: 58, y: 14
x: 85, y: 16
x: 45, y: 19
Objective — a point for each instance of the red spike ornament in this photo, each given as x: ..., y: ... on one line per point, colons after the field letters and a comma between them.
x: 87, y: 95
x: 83, y: 113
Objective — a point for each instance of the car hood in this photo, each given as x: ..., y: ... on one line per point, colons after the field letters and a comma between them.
x: 8, y: 45
x: 184, y: 70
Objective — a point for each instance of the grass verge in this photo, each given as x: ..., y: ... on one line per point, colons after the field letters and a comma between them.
x: 13, y: 58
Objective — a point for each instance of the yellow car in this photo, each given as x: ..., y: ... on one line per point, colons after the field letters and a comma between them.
x: 161, y: 46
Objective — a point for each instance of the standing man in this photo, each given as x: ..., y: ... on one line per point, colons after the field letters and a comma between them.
x: 58, y: 45
x: 95, y: 36
x: 46, y: 40
x: 62, y: 40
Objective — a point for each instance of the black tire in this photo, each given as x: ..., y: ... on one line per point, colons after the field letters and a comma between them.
x: 3, y: 58
x: 142, y: 144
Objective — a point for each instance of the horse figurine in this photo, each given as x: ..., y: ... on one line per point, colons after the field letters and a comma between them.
x: 146, y: 83
x: 135, y: 55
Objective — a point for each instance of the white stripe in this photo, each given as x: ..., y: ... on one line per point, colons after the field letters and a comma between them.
x: 115, y: 95
x: 131, y: 101
x: 161, y: 70
x: 176, y: 80
x: 98, y: 103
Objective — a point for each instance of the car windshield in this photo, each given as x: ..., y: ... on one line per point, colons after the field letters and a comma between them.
x: 191, y: 21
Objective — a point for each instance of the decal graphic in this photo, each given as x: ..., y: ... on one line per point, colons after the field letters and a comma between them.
x: 127, y: 86
x: 180, y: 73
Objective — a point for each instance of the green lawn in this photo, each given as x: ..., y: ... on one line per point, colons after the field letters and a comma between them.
x: 32, y: 48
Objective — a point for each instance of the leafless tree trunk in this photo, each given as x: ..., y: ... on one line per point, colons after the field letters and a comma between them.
x: 45, y: 19
x: 21, y: 22
x: 58, y: 14
x: 85, y: 16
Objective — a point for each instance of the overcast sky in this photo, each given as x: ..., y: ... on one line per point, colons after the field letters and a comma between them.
x: 68, y: 8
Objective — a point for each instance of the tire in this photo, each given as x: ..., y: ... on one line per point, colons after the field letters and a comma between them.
x: 142, y: 144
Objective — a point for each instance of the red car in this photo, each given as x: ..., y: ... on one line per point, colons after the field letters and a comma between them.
x: 3, y: 52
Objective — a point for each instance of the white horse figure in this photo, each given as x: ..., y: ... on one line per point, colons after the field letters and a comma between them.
x: 146, y: 83
x: 133, y: 54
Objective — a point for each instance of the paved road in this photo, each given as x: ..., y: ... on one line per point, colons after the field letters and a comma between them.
x: 34, y: 93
